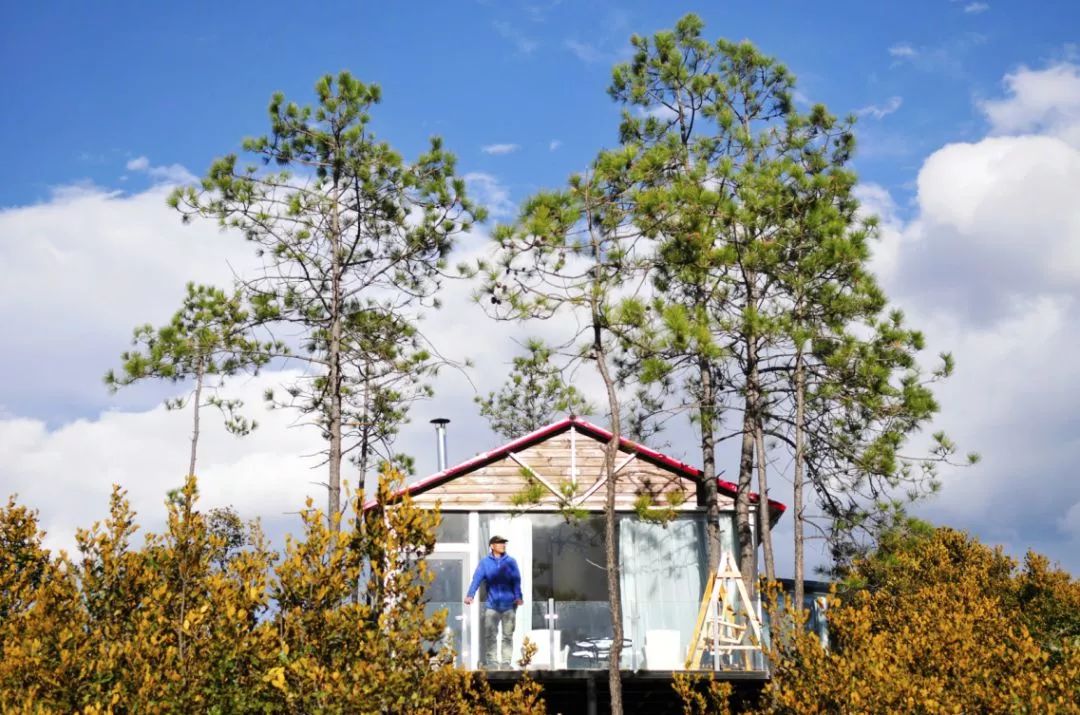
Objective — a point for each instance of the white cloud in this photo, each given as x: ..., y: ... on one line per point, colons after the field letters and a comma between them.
x: 492, y: 194
x: 657, y: 111
x: 67, y: 472
x: 88, y: 265
x: 554, y: 144
x: 1045, y: 101
x: 85, y: 267
x: 975, y: 8
x: 902, y: 49
x: 875, y: 200
x: 988, y: 265
x: 499, y: 149
x: 171, y: 174
x: 880, y: 111
x: 1006, y: 207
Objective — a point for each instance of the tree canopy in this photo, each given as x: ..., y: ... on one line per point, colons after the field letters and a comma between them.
x: 354, y: 242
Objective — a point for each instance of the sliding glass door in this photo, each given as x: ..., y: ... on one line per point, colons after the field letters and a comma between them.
x: 445, y: 593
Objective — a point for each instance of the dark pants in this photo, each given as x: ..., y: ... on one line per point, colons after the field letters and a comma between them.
x: 498, y: 650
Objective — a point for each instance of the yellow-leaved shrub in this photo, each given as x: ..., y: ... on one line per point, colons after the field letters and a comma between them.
x: 336, y: 623
x: 937, y: 623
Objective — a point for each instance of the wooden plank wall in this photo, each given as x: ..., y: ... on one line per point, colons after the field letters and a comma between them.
x: 493, y: 486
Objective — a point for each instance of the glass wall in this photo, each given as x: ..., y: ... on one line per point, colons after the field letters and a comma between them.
x: 664, y: 571
x: 564, y: 581
x: 663, y: 574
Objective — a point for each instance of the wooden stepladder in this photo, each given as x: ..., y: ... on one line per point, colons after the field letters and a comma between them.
x: 720, y: 627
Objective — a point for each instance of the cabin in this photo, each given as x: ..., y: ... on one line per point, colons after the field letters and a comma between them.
x: 545, y: 492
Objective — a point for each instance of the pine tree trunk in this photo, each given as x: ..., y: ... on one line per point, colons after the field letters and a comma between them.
x: 611, y: 557
x: 747, y: 553
x: 196, y: 404
x: 334, y: 379
x: 765, y: 534
x: 707, y: 492
x: 797, y: 497
x: 610, y: 534
x: 366, y: 427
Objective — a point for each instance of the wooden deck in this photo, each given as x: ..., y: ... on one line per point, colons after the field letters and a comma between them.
x: 585, y: 692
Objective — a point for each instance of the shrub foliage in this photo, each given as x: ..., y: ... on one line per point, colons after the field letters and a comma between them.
x: 193, y: 621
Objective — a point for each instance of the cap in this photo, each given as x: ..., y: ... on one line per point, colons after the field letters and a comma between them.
x: 496, y: 540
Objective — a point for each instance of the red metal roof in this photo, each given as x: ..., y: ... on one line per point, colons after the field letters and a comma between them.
x: 585, y: 427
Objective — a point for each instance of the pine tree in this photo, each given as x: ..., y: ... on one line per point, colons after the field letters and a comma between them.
x: 573, y: 253
x: 207, y: 340
x: 533, y: 396
x: 764, y: 299
x: 354, y: 241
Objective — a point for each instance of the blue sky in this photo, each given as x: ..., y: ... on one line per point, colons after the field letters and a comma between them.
x: 88, y: 86
x: 969, y: 135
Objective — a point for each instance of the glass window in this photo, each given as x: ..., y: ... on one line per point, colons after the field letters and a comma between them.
x: 453, y: 528
x: 568, y: 558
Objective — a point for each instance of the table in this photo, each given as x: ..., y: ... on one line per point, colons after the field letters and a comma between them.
x: 597, y: 650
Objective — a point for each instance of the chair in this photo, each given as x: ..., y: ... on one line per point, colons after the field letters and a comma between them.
x: 662, y: 651
x: 542, y: 658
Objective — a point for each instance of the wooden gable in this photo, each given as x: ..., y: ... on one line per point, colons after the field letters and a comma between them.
x: 570, y: 463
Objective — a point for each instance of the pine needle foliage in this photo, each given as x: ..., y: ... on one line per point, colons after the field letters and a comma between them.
x: 354, y: 242
x: 535, y: 394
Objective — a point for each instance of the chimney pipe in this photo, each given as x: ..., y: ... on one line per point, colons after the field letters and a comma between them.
x: 440, y: 440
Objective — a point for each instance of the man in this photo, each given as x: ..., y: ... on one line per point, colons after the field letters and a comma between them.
x: 503, y: 579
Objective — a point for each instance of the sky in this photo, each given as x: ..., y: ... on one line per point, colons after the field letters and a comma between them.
x: 969, y: 152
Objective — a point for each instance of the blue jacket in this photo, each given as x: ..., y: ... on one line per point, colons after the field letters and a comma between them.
x: 503, y: 582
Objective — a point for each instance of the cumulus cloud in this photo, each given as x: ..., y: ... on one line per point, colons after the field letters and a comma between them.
x: 85, y: 267
x: 554, y: 144
x: 89, y: 264
x: 988, y: 264
x: 1045, y: 101
x: 139, y: 163
x: 976, y: 8
x: 67, y: 472
x: 499, y: 149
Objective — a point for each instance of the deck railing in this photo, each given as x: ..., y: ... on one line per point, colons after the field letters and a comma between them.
x: 577, y: 635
